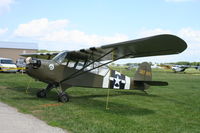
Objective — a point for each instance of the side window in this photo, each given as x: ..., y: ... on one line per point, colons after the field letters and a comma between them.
x: 71, y: 64
x: 79, y: 65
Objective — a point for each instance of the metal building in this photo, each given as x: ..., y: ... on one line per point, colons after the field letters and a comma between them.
x: 13, y: 49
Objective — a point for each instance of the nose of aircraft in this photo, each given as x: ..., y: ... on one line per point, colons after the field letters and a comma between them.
x: 34, y: 63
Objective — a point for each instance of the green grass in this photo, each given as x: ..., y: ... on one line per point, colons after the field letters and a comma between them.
x: 174, y: 108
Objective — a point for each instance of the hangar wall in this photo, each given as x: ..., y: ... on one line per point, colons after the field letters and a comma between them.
x: 14, y: 53
x: 14, y: 49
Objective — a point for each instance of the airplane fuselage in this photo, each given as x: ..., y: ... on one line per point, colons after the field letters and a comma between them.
x: 66, y: 75
x: 51, y: 72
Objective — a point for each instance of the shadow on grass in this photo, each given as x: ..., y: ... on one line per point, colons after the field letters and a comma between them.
x: 113, y: 107
x: 174, y: 101
x: 52, y: 96
x: 89, y: 101
x: 130, y: 92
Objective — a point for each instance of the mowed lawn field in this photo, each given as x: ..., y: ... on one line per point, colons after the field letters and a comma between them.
x: 170, y: 109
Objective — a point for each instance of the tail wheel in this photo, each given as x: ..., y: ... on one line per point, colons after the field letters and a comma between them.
x: 63, y: 98
x: 41, y: 93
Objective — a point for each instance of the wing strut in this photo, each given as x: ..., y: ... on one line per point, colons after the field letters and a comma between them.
x: 78, y: 72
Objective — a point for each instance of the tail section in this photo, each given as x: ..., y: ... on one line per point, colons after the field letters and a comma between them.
x: 143, y: 78
x: 141, y: 81
x: 143, y: 72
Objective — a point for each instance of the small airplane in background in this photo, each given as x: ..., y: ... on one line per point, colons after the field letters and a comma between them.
x: 87, y: 67
x: 182, y: 68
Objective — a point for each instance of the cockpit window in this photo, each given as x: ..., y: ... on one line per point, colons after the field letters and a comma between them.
x: 60, y: 58
x: 87, y: 65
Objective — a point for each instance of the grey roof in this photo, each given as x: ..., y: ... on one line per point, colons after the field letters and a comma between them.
x: 19, y: 45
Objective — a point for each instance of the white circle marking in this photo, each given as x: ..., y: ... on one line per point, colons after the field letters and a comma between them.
x: 51, y: 67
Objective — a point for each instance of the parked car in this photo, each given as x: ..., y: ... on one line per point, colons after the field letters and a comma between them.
x: 21, y: 65
x: 7, y: 65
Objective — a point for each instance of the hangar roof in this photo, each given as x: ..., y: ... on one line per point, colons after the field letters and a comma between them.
x: 18, y: 45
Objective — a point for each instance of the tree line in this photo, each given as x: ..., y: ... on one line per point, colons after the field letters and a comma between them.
x: 185, y: 63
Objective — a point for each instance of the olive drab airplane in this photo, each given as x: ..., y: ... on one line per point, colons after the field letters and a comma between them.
x: 88, y: 67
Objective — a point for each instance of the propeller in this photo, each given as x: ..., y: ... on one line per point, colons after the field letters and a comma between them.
x: 35, y: 63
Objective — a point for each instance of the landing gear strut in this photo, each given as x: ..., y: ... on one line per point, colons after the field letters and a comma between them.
x: 43, y: 93
x: 62, y: 96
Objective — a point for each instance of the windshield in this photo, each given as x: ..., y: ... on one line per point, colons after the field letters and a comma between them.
x: 7, y: 62
x: 60, y: 58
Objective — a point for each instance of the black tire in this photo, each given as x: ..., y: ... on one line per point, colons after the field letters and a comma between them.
x: 41, y: 94
x: 63, y: 98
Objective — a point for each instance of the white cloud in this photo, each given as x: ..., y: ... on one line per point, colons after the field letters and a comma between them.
x: 4, y: 30
x: 55, y: 35
x: 40, y: 27
x: 76, y: 36
x: 188, y: 34
x: 44, y: 30
x: 191, y: 36
x: 5, y: 5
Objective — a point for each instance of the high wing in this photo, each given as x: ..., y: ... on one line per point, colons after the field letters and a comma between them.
x: 150, y: 46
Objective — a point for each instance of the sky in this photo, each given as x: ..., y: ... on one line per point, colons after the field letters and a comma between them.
x: 77, y: 24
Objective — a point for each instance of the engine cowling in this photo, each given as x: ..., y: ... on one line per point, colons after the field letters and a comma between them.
x: 34, y: 63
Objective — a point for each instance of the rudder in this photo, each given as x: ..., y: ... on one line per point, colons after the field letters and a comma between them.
x: 143, y: 78
x: 143, y: 72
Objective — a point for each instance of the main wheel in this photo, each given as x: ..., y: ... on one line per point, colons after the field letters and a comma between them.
x: 63, y: 98
x: 41, y: 93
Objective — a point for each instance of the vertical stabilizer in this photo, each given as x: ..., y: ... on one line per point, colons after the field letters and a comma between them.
x: 143, y: 72
x: 143, y: 78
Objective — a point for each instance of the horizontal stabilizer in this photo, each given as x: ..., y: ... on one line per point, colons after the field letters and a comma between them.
x: 153, y: 83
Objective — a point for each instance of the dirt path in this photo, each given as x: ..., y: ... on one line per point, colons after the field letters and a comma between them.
x: 11, y: 121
